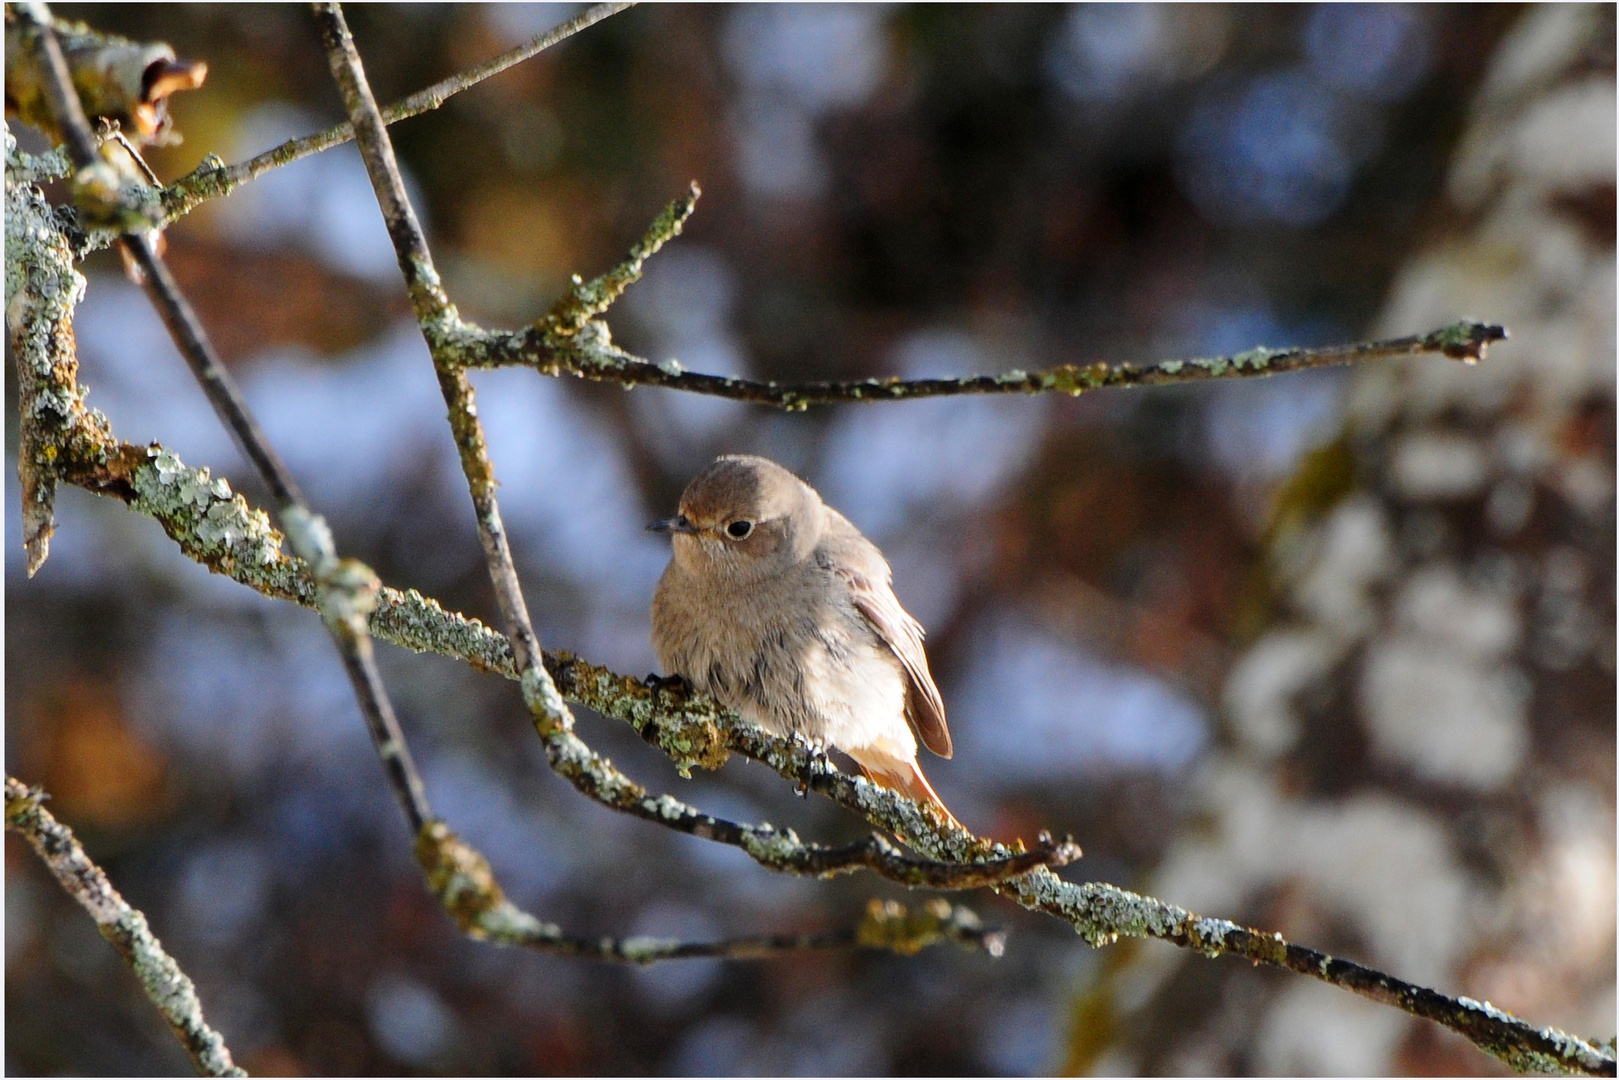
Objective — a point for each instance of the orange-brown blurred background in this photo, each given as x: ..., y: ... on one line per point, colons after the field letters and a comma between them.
x: 1330, y: 653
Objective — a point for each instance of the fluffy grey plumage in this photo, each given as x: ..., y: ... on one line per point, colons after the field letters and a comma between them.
x: 777, y: 607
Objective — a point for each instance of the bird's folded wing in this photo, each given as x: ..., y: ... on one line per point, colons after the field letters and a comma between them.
x: 867, y: 574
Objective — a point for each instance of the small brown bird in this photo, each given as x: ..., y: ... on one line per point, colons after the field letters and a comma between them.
x: 778, y: 608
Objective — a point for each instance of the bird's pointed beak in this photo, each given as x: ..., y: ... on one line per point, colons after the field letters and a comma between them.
x: 677, y: 524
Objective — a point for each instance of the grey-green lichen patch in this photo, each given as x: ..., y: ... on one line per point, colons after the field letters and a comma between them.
x: 779, y: 848
x: 691, y: 737
x: 123, y: 926
x: 211, y: 179
x: 643, y: 949
x: 591, y: 349
x: 348, y: 594
x: 42, y: 290
x: 590, y: 772
x: 691, y: 729
x: 1100, y: 913
x: 1467, y: 340
x: 171, y: 990
x: 1256, y: 359
x: 1570, y: 1053
x: 458, y: 874
x: 1208, y: 936
x: 26, y: 168
x: 507, y: 924
x: 904, y: 816
x: 544, y: 702
x: 310, y: 537
x: 421, y: 624
x: 117, y: 199
x: 215, y: 526
x: 668, y: 808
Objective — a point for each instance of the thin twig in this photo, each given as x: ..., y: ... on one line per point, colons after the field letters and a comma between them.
x: 221, y: 390
x: 432, y: 307
x: 168, y: 987
x: 213, y: 178
x: 117, y: 136
x: 460, y: 877
x: 570, y: 340
x: 592, y: 355
x: 1100, y: 912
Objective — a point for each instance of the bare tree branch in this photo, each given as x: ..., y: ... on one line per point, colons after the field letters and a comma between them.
x: 460, y: 877
x: 774, y: 848
x: 169, y: 988
x: 1099, y: 912
x: 213, y: 178
x: 569, y: 340
x: 594, y: 357
x: 696, y: 732
x: 216, y: 525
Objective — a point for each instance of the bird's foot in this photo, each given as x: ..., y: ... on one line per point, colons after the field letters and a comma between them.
x: 660, y: 683
x: 816, y: 762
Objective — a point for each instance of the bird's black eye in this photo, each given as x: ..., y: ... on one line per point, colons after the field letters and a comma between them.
x: 739, y: 530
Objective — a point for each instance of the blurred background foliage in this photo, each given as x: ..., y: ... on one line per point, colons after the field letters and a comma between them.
x: 1186, y: 624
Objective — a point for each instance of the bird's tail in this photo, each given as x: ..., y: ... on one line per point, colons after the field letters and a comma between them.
x: 906, y: 778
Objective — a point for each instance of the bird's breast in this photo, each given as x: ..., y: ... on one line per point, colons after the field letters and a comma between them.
x: 789, y: 654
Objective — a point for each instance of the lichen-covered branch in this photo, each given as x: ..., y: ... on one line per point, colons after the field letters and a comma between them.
x: 1099, y: 912
x: 42, y: 289
x: 214, y: 179
x: 582, y: 303
x: 591, y: 354
x: 433, y: 312
x: 571, y: 340
x: 460, y: 877
x: 169, y: 988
